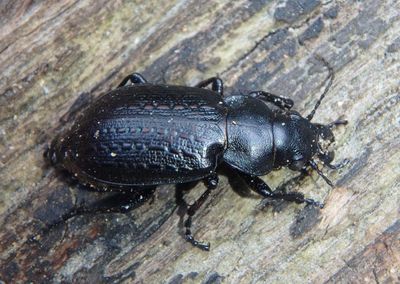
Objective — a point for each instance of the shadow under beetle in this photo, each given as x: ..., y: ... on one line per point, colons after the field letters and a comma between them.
x: 143, y: 135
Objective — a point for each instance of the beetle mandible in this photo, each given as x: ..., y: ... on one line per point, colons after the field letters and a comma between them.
x: 142, y: 134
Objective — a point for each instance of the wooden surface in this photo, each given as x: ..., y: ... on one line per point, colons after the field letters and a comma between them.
x: 51, y: 54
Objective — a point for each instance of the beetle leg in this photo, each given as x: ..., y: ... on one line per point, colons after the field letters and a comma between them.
x: 314, y: 166
x: 277, y: 205
x: 259, y: 186
x: 281, y: 102
x: 217, y: 84
x: 135, y: 78
x: 117, y: 203
x: 120, y: 202
x: 211, y: 183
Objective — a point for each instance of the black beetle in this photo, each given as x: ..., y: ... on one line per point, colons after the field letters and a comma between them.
x: 141, y: 135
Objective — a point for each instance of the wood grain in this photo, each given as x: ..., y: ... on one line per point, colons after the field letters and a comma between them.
x: 53, y: 53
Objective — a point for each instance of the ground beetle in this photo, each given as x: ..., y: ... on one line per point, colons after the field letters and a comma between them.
x: 141, y: 135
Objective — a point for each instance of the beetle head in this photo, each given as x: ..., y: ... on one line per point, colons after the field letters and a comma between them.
x: 295, y: 141
x: 298, y: 142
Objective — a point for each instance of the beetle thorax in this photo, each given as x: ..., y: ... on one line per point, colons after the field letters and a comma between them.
x: 249, y: 135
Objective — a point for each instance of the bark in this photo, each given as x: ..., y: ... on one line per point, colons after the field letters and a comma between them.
x: 52, y: 54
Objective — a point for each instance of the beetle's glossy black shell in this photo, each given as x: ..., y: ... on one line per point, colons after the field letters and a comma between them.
x: 146, y: 135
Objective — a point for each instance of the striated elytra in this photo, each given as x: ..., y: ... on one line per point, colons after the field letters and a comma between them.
x: 142, y: 135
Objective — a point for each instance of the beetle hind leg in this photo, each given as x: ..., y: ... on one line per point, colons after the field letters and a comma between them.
x: 117, y: 203
x: 134, y: 78
x: 211, y: 183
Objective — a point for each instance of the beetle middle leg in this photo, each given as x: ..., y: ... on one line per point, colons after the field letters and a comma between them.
x: 211, y: 183
x: 281, y: 102
x: 135, y: 78
x: 217, y: 84
x: 260, y: 187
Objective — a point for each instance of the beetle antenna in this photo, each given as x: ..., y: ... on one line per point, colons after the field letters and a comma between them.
x: 330, y: 77
x: 319, y: 172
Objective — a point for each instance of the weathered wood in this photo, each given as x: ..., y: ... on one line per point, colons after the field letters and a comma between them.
x: 53, y: 53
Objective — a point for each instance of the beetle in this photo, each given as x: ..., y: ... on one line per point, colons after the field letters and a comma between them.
x: 141, y: 135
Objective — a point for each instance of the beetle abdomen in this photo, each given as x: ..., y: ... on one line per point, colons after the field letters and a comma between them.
x: 147, y: 135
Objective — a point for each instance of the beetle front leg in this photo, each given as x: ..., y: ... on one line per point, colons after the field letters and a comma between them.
x: 281, y: 102
x: 217, y: 84
x: 211, y: 183
x: 259, y: 186
x: 135, y: 78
